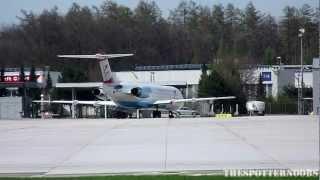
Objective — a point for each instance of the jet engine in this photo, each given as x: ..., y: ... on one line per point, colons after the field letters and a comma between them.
x: 98, y: 92
x: 140, y: 92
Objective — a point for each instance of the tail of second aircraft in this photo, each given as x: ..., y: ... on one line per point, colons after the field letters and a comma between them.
x: 106, y: 72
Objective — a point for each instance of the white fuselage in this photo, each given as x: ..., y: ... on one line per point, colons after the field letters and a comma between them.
x: 142, y: 96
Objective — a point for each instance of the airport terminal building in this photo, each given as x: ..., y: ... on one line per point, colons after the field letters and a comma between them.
x: 13, y: 102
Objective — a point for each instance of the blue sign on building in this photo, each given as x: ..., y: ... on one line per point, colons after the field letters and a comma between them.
x: 266, y: 76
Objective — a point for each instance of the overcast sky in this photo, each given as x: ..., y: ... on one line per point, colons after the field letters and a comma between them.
x: 10, y: 9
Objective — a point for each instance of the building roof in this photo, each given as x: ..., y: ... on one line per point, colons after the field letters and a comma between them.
x: 79, y: 85
x: 171, y: 77
x: 169, y: 67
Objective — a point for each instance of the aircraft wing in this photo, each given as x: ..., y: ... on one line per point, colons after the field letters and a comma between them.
x: 192, y: 100
x: 108, y: 103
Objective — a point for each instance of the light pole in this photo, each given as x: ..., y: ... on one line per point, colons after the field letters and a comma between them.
x: 42, y: 107
x: 279, y: 59
x: 319, y: 99
x: 300, y: 89
x: 280, y: 62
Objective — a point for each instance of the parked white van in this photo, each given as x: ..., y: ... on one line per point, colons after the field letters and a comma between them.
x: 255, y: 107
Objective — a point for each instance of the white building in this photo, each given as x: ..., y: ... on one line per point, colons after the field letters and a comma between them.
x: 276, y: 77
x: 186, y: 80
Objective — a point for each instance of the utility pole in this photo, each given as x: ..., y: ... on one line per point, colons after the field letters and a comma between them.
x: 319, y: 80
x: 300, y: 89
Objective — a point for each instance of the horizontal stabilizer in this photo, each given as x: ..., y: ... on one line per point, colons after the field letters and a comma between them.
x: 95, y: 56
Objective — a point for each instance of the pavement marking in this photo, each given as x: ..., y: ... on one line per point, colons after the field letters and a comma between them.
x: 92, y: 140
x: 245, y: 140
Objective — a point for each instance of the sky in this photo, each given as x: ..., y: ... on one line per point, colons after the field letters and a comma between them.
x: 10, y: 9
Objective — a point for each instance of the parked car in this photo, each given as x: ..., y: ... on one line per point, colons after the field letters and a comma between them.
x: 255, y: 107
x: 187, y: 112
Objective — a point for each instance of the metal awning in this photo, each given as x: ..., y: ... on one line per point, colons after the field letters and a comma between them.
x: 79, y: 85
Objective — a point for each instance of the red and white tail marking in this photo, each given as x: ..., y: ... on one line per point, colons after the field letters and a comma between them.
x: 106, y: 71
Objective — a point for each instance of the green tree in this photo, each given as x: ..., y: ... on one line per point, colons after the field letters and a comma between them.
x: 290, y: 91
x: 2, y: 74
x: 21, y: 89
x: 289, y: 26
x: 223, y: 80
x: 72, y: 74
x: 307, y: 18
x: 2, y: 90
x: 202, y: 89
x: 22, y: 74
x: 32, y: 75
x: 49, y: 83
x: 33, y: 91
x: 251, y: 23
x: 232, y: 29
x: 193, y: 33
x: 268, y: 56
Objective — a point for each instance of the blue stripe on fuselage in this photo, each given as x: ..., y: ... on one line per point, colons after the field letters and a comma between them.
x: 135, y: 104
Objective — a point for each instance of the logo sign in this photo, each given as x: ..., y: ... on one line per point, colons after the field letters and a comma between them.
x: 13, y: 79
x: 266, y: 76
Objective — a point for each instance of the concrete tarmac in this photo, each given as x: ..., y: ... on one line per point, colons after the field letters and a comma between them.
x: 92, y: 146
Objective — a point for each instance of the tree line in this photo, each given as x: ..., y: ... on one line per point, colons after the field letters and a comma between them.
x: 192, y: 33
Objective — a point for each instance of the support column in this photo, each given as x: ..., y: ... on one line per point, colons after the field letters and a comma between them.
x: 74, y: 108
x: 236, y: 113
x: 105, y: 111
x: 138, y: 113
x: 187, y: 90
x: 212, y: 109
x: 42, y: 107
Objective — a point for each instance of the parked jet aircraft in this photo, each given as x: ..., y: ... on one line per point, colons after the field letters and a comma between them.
x: 132, y: 96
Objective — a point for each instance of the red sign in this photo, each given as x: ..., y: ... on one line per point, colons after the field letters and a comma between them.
x: 13, y: 79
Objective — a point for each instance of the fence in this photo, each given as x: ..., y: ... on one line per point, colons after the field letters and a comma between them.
x: 10, y: 107
x: 286, y: 108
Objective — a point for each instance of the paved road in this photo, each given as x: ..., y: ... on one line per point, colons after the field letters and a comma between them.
x: 85, y: 146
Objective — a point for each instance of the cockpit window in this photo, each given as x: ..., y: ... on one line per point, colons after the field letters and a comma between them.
x: 118, y: 87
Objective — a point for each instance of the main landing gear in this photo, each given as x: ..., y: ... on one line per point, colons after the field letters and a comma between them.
x: 156, y: 114
x: 171, y: 114
x: 119, y: 114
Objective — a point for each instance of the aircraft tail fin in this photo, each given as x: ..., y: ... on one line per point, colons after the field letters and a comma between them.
x: 106, y: 72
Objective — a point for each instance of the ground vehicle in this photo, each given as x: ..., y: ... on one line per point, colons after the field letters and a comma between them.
x: 255, y: 107
x: 185, y: 111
